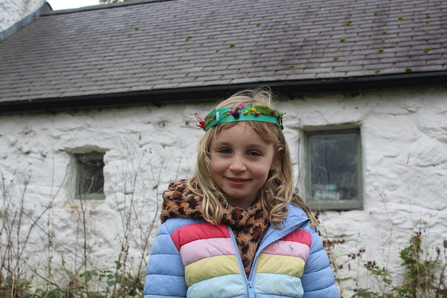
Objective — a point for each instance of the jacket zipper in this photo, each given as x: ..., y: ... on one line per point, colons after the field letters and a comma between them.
x: 264, y: 244
x: 248, y: 283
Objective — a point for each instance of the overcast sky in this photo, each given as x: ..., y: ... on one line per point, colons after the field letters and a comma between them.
x: 67, y: 4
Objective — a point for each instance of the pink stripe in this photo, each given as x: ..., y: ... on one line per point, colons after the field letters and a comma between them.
x: 193, y: 232
x: 299, y: 236
x: 288, y: 248
x: 206, y: 248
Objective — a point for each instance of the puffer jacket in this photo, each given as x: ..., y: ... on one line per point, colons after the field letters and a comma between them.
x: 195, y: 259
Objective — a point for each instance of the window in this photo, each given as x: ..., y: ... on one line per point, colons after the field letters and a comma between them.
x: 333, y: 179
x: 90, y: 178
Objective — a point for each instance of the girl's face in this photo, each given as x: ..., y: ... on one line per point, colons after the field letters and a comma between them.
x: 240, y: 163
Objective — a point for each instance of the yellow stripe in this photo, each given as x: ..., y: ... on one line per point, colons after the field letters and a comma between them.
x: 280, y: 265
x: 211, y: 267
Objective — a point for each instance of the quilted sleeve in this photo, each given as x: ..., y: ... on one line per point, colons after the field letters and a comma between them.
x: 318, y: 278
x: 165, y: 273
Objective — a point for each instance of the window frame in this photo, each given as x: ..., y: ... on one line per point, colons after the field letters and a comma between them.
x: 90, y: 156
x: 334, y: 205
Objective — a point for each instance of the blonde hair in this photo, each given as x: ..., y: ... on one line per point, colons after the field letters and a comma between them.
x: 277, y: 192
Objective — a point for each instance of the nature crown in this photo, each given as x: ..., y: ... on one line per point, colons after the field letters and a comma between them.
x: 240, y: 113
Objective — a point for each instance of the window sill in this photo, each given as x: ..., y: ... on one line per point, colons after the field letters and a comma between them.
x: 91, y: 197
x: 335, y: 205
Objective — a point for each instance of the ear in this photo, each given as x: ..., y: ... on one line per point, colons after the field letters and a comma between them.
x: 278, y: 158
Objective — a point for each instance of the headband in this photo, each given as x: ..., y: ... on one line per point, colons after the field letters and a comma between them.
x: 240, y: 113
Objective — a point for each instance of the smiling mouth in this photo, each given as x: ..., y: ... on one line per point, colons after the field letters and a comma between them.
x: 237, y: 180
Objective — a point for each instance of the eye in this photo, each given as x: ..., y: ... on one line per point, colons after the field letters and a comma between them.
x: 224, y: 151
x: 254, y: 153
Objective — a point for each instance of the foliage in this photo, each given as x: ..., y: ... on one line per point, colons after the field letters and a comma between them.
x: 63, y: 271
x: 13, y: 288
x: 115, y: 283
x: 112, y: 284
x: 419, y: 280
x: 424, y: 276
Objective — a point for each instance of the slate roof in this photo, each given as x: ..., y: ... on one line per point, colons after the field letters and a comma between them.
x: 165, y: 45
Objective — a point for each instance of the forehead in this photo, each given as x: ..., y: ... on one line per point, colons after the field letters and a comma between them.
x: 239, y: 132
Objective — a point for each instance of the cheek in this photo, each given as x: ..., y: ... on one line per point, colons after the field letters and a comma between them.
x: 216, y: 175
x: 215, y: 166
x: 263, y: 172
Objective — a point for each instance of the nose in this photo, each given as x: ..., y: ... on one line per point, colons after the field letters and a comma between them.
x: 237, y: 164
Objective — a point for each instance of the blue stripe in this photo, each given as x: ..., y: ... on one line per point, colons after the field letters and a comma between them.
x: 230, y: 285
x: 278, y: 284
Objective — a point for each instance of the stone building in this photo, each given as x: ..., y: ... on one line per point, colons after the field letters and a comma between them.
x: 97, y: 117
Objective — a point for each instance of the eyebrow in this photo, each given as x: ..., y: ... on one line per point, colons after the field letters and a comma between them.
x: 254, y: 146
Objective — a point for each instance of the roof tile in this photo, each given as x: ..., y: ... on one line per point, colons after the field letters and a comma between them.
x: 186, y: 43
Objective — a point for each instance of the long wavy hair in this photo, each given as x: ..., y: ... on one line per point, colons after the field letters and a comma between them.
x: 276, y: 193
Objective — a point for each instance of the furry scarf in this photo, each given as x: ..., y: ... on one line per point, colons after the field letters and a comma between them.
x: 249, y: 225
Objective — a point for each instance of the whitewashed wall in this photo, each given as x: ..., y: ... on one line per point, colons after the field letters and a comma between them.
x: 12, y: 11
x: 404, y: 146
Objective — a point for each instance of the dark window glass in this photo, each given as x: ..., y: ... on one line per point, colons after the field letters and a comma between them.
x: 333, y: 169
x: 90, y: 182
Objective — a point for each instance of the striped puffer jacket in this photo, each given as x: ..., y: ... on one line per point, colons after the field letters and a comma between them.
x: 195, y: 259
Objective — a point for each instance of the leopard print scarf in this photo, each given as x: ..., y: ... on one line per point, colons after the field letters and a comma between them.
x: 249, y: 225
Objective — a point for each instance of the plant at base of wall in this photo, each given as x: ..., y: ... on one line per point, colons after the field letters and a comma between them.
x: 71, y: 271
x: 419, y: 280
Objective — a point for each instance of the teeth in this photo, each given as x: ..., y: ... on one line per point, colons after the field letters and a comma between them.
x: 238, y: 180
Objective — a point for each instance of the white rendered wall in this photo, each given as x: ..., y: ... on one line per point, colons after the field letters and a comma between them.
x: 404, y: 147
x: 12, y: 11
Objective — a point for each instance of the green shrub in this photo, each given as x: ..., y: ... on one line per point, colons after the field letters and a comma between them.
x: 419, y: 280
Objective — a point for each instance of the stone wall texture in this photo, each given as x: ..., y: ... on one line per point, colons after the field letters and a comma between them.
x: 12, y: 11
x: 404, y: 148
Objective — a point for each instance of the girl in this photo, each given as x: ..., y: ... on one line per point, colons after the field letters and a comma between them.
x: 237, y: 228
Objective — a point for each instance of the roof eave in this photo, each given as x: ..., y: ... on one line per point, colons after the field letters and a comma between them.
x: 348, y: 85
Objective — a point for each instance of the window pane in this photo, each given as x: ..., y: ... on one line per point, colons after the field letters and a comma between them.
x: 90, y: 176
x: 333, y: 167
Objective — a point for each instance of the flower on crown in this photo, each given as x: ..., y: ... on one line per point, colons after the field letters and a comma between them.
x: 236, y: 112
x: 200, y: 122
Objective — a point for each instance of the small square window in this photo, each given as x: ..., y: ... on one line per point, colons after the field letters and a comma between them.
x: 333, y: 179
x: 90, y: 177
